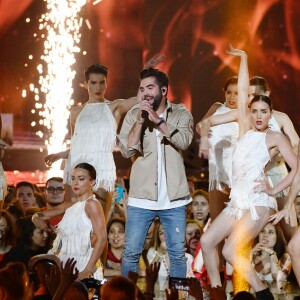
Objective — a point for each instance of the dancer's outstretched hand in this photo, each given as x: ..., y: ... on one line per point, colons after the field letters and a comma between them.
x: 51, y: 158
x: 235, y: 52
x: 263, y: 186
x: 284, y: 213
x: 204, y: 148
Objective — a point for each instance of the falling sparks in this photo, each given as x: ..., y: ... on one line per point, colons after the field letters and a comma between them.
x: 88, y: 24
x: 96, y: 2
x: 60, y: 26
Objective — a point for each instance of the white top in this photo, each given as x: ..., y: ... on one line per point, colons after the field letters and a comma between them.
x: 222, y: 140
x: 163, y: 201
x: 93, y: 142
x: 251, y: 155
x: 73, y: 238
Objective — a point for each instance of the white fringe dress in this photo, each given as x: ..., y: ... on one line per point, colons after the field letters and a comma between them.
x: 73, y: 238
x: 251, y: 156
x: 93, y: 142
x: 222, y: 140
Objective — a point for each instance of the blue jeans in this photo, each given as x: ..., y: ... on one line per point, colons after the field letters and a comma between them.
x: 138, y: 221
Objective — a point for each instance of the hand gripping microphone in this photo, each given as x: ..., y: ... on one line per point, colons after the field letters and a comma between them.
x: 145, y: 114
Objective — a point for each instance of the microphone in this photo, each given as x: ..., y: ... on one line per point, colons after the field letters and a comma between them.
x: 145, y: 114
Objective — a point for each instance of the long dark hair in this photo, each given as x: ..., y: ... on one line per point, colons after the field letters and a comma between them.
x: 263, y: 98
x: 279, y: 247
x: 230, y: 80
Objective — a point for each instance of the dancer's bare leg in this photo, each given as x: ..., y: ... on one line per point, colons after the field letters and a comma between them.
x: 105, y: 198
x: 217, y: 201
x: 244, y: 233
x: 294, y: 252
x: 288, y: 230
x: 220, y: 228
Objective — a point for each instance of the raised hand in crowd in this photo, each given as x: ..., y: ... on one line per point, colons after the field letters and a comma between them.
x: 173, y: 294
x: 68, y: 274
x: 195, y: 289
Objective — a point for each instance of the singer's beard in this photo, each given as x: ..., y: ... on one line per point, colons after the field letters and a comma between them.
x: 157, y: 101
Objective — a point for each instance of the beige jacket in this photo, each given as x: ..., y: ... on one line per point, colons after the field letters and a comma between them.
x: 143, y: 177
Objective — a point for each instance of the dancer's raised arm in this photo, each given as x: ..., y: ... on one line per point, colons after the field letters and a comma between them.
x: 243, y: 88
x: 204, y: 126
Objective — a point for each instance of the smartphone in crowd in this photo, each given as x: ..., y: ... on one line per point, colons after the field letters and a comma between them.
x: 120, y: 191
x: 178, y: 283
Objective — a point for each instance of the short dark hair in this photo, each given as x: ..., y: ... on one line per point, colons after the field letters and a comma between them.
x: 230, y: 80
x: 25, y: 183
x: 261, y: 82
x: 91, y: 170
x: 263, y: 98
x: 161, y: 77
x: 95, y: 68
x: 57, y: 179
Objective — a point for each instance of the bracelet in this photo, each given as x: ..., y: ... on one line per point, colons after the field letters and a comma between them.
x: 162, y: 120
x: 149, y: 293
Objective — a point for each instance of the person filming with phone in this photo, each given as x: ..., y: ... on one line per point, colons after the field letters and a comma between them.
x: 156, y: 132
x: 118, y: 207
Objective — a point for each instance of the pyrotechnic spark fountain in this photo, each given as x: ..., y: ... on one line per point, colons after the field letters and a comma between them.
x: 61, y: 24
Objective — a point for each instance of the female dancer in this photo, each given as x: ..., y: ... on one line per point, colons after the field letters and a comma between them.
x: 221, y: 138
x: 81, y: 219
x: 294, y: 245
x: 276, y: 169
x: 251, y: 204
